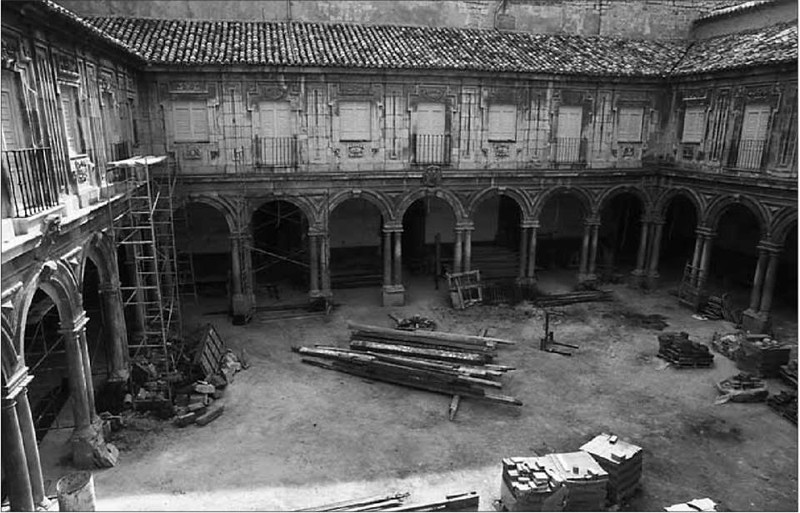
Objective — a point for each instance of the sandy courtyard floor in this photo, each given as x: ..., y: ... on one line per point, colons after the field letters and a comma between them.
x: 295, y: 436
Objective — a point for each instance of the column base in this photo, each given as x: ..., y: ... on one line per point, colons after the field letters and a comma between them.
x: 587, y: 279
x: 755, y: 322
x: 241, y: 309
x: 528, y: 280
x: 90, y: 450
x: 394, y: 295
x: 652, y: 280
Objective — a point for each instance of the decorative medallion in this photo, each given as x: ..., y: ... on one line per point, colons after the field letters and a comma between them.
x: 432, y: 176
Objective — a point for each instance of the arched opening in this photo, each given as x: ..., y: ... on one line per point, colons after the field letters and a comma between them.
x: 561, y: 227
x: 355, y: 227
x: 734, y: 255
x: 678, y: 238
x: 784, y: 306
x: 46, y: 358
x: 280, y: 252
x: 428, y: 223
x: 203, y: 250
x: 496, y: 238
x: 127, y: 279
x: 620, y: 233
x: 98, y: 338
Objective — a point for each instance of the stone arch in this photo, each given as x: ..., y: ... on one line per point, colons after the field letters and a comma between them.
x: 375, y: 198
x: 522, y: 200
x: 609, y: 194
x: 449, y: 197
x: 102, y: 252
x: 781, y: 225
x: 661, y: 203
x: 58, y: 281
x: 304, y: 204
x: 718, y: 206
x: 223, y: 205
x: 581, y: 194
x: 11, y: 361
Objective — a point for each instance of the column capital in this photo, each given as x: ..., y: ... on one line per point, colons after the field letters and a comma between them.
x: 110, y: 288
x: 16, y: 384
x: 705, y: 231
x: 393, y: 227
x: 316, y: 232
x: 76, y: 326
x: 769, y: 247
x: 465, y: 226
x: 657, y: 219
x: 592, y: 221
x: 530, y: 223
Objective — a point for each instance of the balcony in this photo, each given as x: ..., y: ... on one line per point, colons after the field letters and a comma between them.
x: 431, y: 149
x: 275, y: 152
x: 31, y: 180
x: 567, y: 150
x: 750, y: 154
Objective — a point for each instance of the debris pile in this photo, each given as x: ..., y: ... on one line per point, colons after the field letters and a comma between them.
x: 677, y: 349
x: 717, y: 308
x: 762, y: 356
x: 694, y: 506
x: 467, y: 501
x: 528, y: 486
x: 742, y: 388
x: 199, y: 403
x: 727, y: 344
x: 448, y: 363
x: 413, y: 323
x: 465, y: 289
x: 785, y: 404
x: 569, y: 298
x: 621, y: 460
x: 789, y: 373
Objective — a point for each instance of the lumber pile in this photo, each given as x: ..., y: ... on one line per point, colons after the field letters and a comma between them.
x: 789, y: 373
x: 621, y: 460
x: 584, y: 478
x: 742, y: 388
x: 762, y: 356
x: 677, y: 349
x: 467, y: 501
x: 199, y: 403
x: 528, y: 486
x: 447, y: 363
x: 727, y: 344
x: 414, y: 323
x: 569, y: 298
x: 785, y: 404
x: 694, y: 506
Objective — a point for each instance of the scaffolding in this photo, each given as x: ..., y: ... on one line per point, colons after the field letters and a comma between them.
x: 145, y: 229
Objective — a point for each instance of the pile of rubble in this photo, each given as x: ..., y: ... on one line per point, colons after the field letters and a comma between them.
x: 447, y: 363
x: 785, y: 404
x: 789, y: 373
x: 742, y: 388
x: 677, y: 349
x: 762, y: 356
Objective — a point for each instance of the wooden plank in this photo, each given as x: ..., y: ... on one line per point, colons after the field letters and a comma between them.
x: 454, y: 402
x: 436, y: 354
x: 463, y: 502
x: 344, y: 505
x: 430, y: 335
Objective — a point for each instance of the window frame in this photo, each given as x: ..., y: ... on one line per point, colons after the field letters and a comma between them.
x: 698, y: 132
x: 623, y: 133
x: 497, y: 128
x: 70, y: 93
x: 193, y: 106
x: 349, y: 130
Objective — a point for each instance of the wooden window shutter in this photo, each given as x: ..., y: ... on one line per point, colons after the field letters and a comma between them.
x: 502, y: 123
x: 569, y: 122
x: 71, y: 121
x: 275, y: 120
x: 430, y: 119
x: 694, y: 124
x: 355, y: 120
x: 630, y: 124
x: 756, y: 122
x: 10, y: 123
x: 190, y: 121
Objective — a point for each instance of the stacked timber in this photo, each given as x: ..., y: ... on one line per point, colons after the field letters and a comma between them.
x: 467, y: 501
x: 727, y: 344
x: 789, y: 373
x: 446, y: 363
x: 762, y: 356
x: 742, y: 388
x: 584, y: 478
x: 694, y: 506
x: 677, y: 349
x: 622, y: 461
x: 528, y: 485
x: 785, y: 404
x: 583, y: 296
x: 374, y: 503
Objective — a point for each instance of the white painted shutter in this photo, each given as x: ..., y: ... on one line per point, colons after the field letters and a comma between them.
x: 200, y: 121
x: 756, y: 121
x: 70, y: 121
x: 190, y: 121
x: 182, y: 122
x: 355, y: 121
x: 569, y: 122
x: 630, y: 124
x: 275, y: 120
x: 502, y: 122
x: 10, y: 139
x: 694, y: 125
x: 430, y: 118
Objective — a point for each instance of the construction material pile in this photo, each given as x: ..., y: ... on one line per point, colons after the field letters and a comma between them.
x: 467, y: 501
x: 694, y: 506
x: 762, y: 356
x: 621, y: 460
x: 677, y: 349
x: 414, y: 323
x: 585, y: 479
x: 742, y: 388
x: 785, y: 404
x: 447, y: 363
x: 718, y: 308
x: 199, y: 403
x: 789, y: 373
x: 727, y: 344
x: 569, y: 298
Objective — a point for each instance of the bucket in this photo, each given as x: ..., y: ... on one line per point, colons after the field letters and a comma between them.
x: 75, y: 492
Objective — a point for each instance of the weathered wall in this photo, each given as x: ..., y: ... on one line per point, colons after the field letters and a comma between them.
x: 760, y: 16
x: 632, y: 18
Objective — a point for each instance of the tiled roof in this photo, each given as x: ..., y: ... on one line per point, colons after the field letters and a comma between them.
x: 194, y: 42
x: 731, y: 9
x: 770, y: 45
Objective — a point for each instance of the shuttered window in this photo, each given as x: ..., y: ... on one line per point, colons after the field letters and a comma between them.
x: 502, y: 122
x: 630, y: 124
x: 754, y: 135
x: 190, y: 121
x: 569, y: 122
x: 69, y: 108
x: 11, y: 139
x: 430, y: 119
x: 694, y: 124
x: 276, y: 120
x: 355, y: 121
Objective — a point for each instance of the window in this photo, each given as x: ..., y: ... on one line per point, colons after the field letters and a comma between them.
x: 430, y: 119
x: 69, y: 107
x: 190, y: 121
x: 431, y: 144
x: 754, y: 136
x: 502, y: 122
x: 355, y: 121
x: 568, y: 134
x: 630, y: 124
x: 694, y: 124
x: 12, y: 126
x: 276, y: 120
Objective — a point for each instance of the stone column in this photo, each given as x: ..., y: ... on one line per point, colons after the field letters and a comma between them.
x: 593, y: 250
x: 313, y: 264
x: 458, y: 249
x: 393, y: 291
x: 758, y: 279
x: 584, y: 274
x: 655, y: 254
x: 642, y: 254
x: 248, y: 279
x: 387, y: 258
x: 15, y: 464
x: 532, y: 252
x: 398, y: 257
x: 705, y: 259
x: 523, y: 252
x: 28, y: 430
x: 237, y: 298
x: 325, y: 266
x: 698, y: 251
x: 769, y: 284
x: 467, y: 249
x: 116, y: 331
x: 73, y: 339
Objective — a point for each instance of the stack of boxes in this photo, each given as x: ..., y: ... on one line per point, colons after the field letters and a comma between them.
x: 585, y: 480
x: 528, y: 486
x: 622, y: 461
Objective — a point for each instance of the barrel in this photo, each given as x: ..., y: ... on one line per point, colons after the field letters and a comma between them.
x: 76, y: 492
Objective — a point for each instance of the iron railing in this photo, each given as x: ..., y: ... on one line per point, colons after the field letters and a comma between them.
x: 567, y: 149
x: 431, y: 149
x: 31, y: 180
x: 751, y: 152
x: 278, y: 152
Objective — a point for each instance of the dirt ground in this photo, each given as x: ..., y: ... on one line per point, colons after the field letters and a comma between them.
x: 295, y: 436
